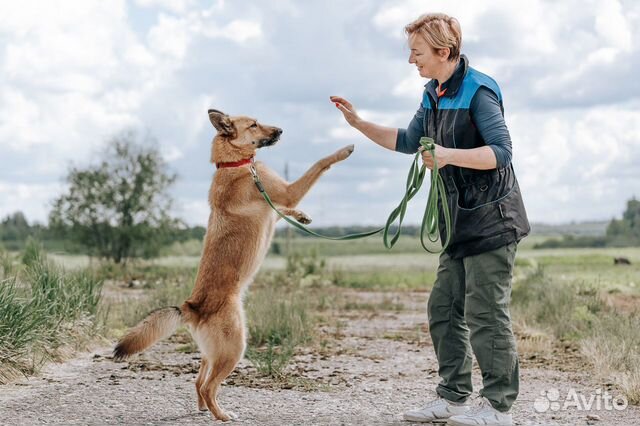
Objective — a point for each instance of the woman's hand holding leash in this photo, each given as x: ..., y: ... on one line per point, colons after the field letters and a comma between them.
x: 441, y: 153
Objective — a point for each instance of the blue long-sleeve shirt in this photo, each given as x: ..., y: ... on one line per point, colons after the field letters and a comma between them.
x: 486, y: 114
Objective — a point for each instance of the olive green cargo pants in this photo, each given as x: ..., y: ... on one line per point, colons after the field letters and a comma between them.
x: 469, y: 309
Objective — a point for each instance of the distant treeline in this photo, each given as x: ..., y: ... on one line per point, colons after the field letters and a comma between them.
x: 623, y: 232
x: 15, y: 231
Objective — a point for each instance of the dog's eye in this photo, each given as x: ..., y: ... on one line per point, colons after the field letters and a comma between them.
x: 253, y: 126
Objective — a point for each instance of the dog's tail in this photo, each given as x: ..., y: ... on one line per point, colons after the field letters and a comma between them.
x: 157, y: 325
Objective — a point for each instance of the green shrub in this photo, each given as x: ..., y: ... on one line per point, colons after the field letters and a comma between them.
x: 44, y: 312
x: 278, y: 321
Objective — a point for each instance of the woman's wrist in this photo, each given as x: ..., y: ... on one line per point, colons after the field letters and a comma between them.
x: 450, y: 156
x: 358, y: 124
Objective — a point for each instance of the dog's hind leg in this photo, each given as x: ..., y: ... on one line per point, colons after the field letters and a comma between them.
x: 202, y: 375
x: 226, y: 346
x: 222, y: 367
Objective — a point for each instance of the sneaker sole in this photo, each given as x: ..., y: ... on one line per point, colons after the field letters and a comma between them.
x: 435, y: 422
x: 455, y: 423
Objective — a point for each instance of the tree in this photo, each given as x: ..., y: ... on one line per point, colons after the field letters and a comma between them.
x: 14, y: 227
x: 118, y: 208
x: 626, y: 232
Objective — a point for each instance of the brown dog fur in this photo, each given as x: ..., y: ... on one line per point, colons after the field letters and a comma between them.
x: 239, y: 233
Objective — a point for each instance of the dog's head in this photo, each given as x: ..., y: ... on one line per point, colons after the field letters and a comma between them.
x: 239, y: 137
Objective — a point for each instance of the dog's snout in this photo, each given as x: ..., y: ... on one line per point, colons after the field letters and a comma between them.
x: 277, y: 132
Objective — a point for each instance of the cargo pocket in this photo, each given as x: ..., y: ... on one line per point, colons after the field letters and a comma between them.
x: 478, y: 222
x: 504, y: 357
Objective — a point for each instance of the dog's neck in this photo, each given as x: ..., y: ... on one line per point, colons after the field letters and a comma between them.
x: 222, y: 152
x: 240, y: 163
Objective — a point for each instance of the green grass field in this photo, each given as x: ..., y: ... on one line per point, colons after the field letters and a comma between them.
x: 367, y: 263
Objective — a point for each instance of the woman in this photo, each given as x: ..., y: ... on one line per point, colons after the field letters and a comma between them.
x: 468, y: 308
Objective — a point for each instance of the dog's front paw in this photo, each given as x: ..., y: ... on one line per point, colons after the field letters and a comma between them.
x: 303, y: 218
x: 345, y: 152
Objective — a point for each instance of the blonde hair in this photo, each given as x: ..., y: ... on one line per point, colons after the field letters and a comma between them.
x: 440, y: 31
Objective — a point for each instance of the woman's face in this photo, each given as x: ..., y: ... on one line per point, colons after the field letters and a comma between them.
x: 428, y: 63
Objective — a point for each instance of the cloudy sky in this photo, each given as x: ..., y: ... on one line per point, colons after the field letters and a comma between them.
x: 73, y: 73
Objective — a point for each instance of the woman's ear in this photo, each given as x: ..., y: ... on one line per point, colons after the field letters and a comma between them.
x: 443, y: 54
x: 222, y: 122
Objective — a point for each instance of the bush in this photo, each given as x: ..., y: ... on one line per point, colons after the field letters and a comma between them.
x: 42, y: 313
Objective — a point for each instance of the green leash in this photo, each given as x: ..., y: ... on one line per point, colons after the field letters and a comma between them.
x: 430, y: 220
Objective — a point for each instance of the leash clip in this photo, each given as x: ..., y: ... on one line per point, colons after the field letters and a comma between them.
x: 254, y: 173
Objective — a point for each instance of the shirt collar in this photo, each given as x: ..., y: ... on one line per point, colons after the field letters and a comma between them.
x: 453, y: 83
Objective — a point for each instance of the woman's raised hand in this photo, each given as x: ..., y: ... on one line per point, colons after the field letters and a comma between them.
x: 347, y: 110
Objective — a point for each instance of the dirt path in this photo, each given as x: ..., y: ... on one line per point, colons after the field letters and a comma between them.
x: 370, y: 367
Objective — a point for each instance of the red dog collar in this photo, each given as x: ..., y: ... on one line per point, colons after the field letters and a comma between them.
x: 234, y: 164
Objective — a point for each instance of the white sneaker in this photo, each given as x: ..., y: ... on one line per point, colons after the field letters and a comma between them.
x: 438, y: 409
x: 483, y: 414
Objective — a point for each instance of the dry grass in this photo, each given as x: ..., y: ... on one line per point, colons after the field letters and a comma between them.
x: 532, y: 341
x: 609, y: 338
x: 613, y: 348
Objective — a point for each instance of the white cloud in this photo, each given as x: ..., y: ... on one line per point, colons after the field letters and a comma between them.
x: 577, y: 165
x: 344, y: 132
x: 612, y: 26
x: 242, y: 30
x: 392, y: 16
x: 194, y: 212
x: 173, y: 34
x: 28, y: 198
x: 170, y: 36
x: 176, y: 6
x: 409, y: 86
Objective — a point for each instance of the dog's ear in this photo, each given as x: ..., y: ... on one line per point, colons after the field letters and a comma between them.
x: 222, y: 122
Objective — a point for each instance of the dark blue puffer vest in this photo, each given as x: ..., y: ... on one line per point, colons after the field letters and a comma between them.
x: 486, y: 205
